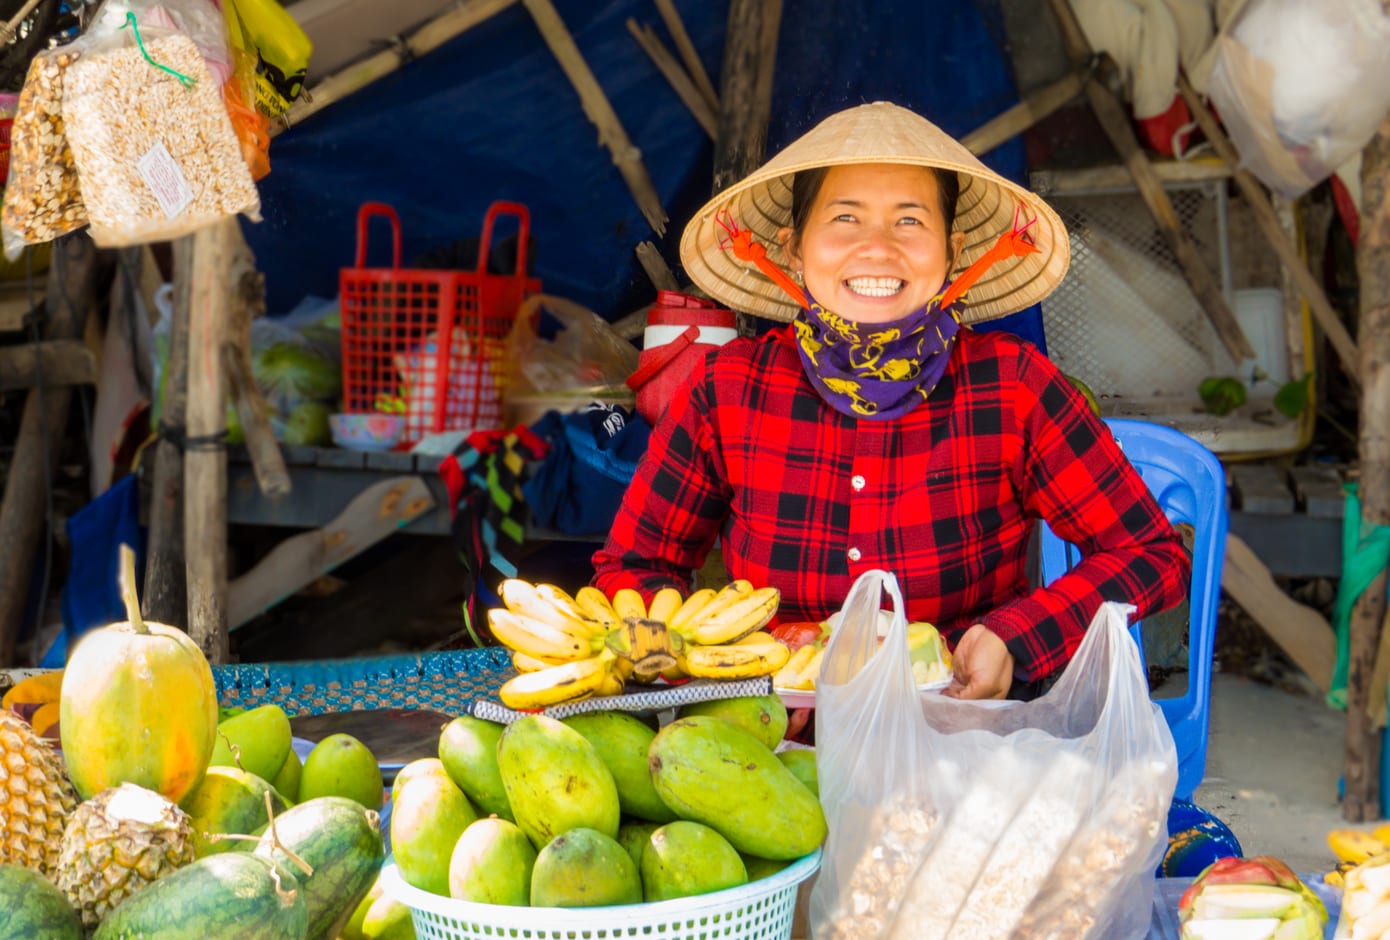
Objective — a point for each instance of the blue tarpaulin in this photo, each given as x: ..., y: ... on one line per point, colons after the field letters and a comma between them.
x: 491, y: 116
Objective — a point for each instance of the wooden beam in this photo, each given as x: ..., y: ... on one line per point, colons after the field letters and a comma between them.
x: 1267, y: 221
x: 377, y: 512
x: 1361, y: 768
x: 52, y: 362
x: 1035, y: 106
x: 689, y: 55
x: 72, y: 296
x: 658, y: 272
x: 745, y: 93
x: 599, y: 111
x: 1300, y: 631
x: 205, y: 457
x: 1088, y: 181
x: 15, y: 305
x: 1115, y: 121
x: 460, y: 19
x: 680, y: 82
x: 165, y: 597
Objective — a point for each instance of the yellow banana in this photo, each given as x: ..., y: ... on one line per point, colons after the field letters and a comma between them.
x: 536, y: 638
x: 690, y: 608
x: 665, y: 604
x: 527, y: 663
x: 554, y: 607
x: 794, y: 675
x: 555, y: 684
x: 725, y: 597
x: 594, y: 604
x: 735, y: 662
x: 613, y: 683
x: 559, y: 599
x: 1353, y: 845
x: 1382, y: 832
x: 737, y: 620
x: 628, y: 603
x: 758, y: 636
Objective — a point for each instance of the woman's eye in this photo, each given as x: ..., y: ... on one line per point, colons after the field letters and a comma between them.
x: 844, y: 217
x: 910, y: 220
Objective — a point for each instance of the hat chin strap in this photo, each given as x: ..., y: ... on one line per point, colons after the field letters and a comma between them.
x: 1014, y: 243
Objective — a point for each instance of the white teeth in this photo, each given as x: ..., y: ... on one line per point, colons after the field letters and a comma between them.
x: 875, y: 286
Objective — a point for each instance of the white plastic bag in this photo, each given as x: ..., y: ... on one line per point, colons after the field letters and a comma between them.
x: 989, y: 820
x: 1301, y: 87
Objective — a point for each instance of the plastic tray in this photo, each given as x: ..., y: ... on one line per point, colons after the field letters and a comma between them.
x: 806, y: 698
x: 761, y: 910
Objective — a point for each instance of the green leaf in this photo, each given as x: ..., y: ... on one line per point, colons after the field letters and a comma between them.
x: 1292, y: 397
x: 1221, y: 394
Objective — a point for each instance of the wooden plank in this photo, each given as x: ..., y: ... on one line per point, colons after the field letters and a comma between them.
x: 745, y: 93
x: 53, y: 362
x: 600, y: 112
x: 1034, y: 107
x: 1116, y: 178
x: 341, y: 458
x: 377, y: 512
x: 320, y: 494
x: 1299, y: 630
x: 658, y: 271
x: 689, y: 55
x: 1319, y: 490
x: 1267, y: 221
x: 1261, y: 488
x: 15, y: 305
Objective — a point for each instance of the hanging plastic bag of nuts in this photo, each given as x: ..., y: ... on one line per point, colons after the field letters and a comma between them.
x: 155, y: 151
x: 42, y: 197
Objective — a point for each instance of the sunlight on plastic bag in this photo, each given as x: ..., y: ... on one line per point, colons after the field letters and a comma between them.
x: 987, y: 820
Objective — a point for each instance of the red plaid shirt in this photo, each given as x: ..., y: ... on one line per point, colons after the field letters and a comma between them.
x: 945, y: 497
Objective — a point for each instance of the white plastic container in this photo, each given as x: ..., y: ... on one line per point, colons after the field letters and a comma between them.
x: 1260, y: 313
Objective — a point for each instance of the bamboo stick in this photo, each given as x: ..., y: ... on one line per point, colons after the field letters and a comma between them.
x: 667, y: 65
x: 688, y: 53
x: 1268, y: 224
x: 1036, y: 106
x: 355, y: 77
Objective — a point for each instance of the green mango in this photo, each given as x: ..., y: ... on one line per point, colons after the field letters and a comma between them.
x: 555, y: 780
x: 427, y: 819
x: 622, y: 742
x: 763, y: 716
x: 257, y: 741
x: 468, y: 748
x: 287, y: 780
x: 683, y: 859
x: 584, y: 868
x: 492, y: 864
x: 802, y: 763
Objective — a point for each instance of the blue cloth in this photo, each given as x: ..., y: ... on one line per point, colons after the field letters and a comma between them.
x: 593, y: 454
x: 92, y: 593
x: 491, y: 115
x: 1196, y: 838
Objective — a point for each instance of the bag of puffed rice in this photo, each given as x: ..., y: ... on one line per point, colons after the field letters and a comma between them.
x: 1041, y: 820
x: 155, y: 151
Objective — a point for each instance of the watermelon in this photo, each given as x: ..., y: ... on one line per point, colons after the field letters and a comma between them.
x: 32, y: 907
x: 231, y: 896
x: 341, y: 841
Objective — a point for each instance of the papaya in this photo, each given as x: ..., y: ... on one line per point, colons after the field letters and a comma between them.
x: 468, y: 748
x: 138, y: 705
x: 258, y: 741
x: 684, y: 858
x: 32, y: 907
x: 228, y: 801
x: 633, y: 836
x: 429, y: 816
x: 762, y: 716
x: 802, y: 763
x: 341, y: 841
x: 711, y: 771
x: 622, y: 742
x: 555, y: 780
x: 584, y: 868
x: 422, y: 765
x: 232, y: 896
x: 492, y: 864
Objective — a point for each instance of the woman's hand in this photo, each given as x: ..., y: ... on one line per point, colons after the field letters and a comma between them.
x: 983, y: 666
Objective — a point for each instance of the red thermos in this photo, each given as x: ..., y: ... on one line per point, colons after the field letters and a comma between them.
x: 680, y: 331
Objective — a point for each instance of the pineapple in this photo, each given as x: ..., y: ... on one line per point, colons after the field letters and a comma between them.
x: 36, y: 797
x: 116, y: 843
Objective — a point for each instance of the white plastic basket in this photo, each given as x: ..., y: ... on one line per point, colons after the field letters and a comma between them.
x: 761, y: 910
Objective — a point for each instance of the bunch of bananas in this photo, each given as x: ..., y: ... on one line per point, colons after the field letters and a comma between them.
x: 1354, y: 846
x: 569, y: 648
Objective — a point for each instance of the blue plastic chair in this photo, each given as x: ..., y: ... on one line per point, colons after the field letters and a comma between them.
x: 1189, y: 484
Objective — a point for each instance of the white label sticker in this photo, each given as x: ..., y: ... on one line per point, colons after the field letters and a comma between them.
x: 161, y: 173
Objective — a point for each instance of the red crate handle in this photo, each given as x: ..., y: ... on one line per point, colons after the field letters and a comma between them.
x: 522, y: 239
x: 364, y: 215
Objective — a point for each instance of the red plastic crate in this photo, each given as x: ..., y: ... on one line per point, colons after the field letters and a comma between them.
x: 429, y: 344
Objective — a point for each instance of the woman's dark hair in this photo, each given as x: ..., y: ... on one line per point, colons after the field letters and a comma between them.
x: 806, y: 186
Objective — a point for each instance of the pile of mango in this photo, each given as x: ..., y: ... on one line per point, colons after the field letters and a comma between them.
x: 604, y: 808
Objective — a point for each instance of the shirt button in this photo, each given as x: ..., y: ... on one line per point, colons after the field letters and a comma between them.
x: 854, y: 554
x: 857, y: 481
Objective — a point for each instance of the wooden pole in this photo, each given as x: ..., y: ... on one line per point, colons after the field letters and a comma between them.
x: 1114, y: 120
x: 71, y: 298
x: 626, y: 157
x: 1361, y: 767
x: 745, y: 92
x: 680, y: 82
x: 1035, y: 106
x: 688, y: 53
x: 165, y: 598
x: 1268, y: 223
x: 205, y: 458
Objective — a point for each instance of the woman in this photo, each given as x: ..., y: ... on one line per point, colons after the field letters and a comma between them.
x: 874, y: 431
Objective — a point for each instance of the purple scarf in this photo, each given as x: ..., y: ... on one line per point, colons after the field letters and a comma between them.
x: 876, y: 370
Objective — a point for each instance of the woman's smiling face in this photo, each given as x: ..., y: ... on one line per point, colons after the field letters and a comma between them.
x: 874, y: 246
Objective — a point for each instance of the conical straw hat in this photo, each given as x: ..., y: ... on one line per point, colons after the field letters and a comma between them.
x: 877, y: 133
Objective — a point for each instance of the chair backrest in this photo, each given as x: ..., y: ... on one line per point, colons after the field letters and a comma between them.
x: 1189, y: 484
